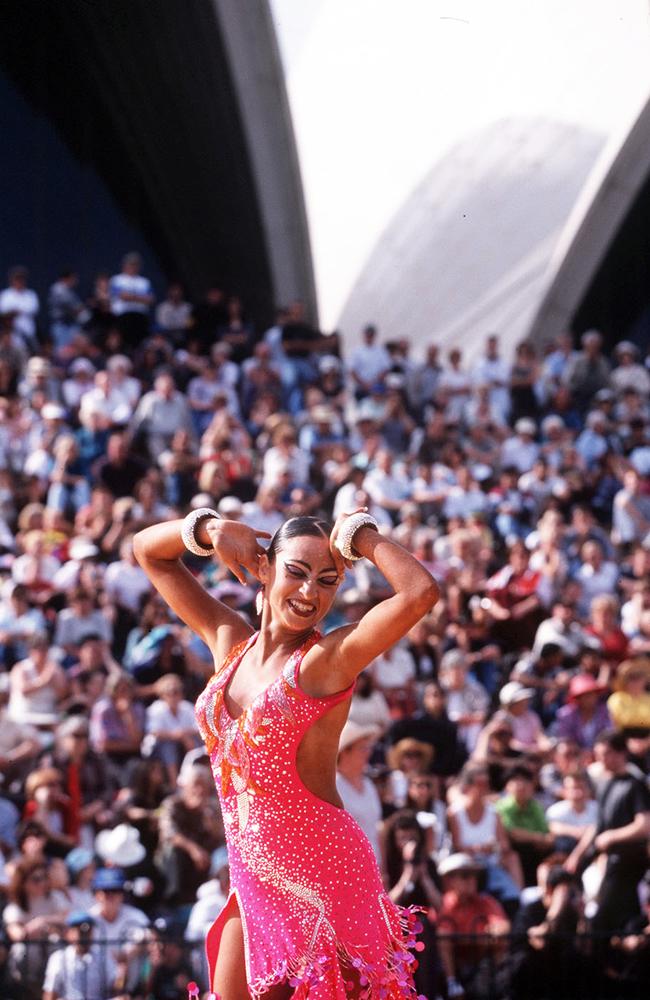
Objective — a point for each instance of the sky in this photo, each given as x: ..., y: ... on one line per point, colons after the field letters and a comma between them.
x: 381, y: 89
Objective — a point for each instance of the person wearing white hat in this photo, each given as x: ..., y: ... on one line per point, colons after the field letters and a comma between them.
x: 629, y: 373
x: 358, y: 793
x: 120, y: 847
x: 521, y: 451
x: 527, y: 729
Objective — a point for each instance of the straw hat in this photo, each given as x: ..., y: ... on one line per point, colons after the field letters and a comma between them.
x: 583, y: 684
x: 636, y: 665
x: 44, y: 776
x: 409, y: 745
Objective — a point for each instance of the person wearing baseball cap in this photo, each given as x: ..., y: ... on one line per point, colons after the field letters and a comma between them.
x: 82, y: 970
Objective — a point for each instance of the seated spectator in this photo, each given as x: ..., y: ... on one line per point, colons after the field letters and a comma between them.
x: 19, y: 621
x: 34, y: 912
x: 596, y: 575
x: 47, y: 805
x: 159, y: 414
x: 80, y: 863
x: 515, y: 699
x: 173, y: 314
x: 604, y: 626
x: 87, y: 780
x: 467, y: 700
x: 125, y: 582
x: 387, y: 486
x: 38, y: 685
x: 358, y: 793
x: 369, y: 706
x: 629, y: 967
x: 81, y: 970
x: 524, y: 821
x: 562, y: 629
x: 35, y: 568
x: 190, y: 829
x: 568, y: 818
x: 514, y: 600
x: 20, y: 744
x: 138, y: 801
x: 118, y: 924
x: 117, y: 721
x: 82, y: 618
x: 585, y: 713
x: 548, y: 960
x: 432, y: 725
x: 394, y: 673
x: 629, y: 705
x: 424, y: 799
x: 566, y: 759
x: 407, y: 758
x: 471, y: 925
x: 412, y: 880
x: 171, y: 726
x: 477, y: 830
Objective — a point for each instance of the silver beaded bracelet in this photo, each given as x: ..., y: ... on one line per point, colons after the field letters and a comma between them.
x: 189, y: 527
x: 346, y: 535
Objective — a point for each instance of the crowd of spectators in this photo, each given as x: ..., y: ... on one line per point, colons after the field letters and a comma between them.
x: 498, y: 758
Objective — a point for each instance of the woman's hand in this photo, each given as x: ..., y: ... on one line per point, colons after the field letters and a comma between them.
x: 236, y: 546
x: 339, y: 561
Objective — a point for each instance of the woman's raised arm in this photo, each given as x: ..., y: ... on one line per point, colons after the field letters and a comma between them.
x: 352, y: 647
x: 158, y: 550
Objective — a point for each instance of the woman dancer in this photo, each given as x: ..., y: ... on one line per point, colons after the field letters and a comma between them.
x: 307, y: 915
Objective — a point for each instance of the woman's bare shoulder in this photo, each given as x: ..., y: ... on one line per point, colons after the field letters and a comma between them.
x: 226, y: 638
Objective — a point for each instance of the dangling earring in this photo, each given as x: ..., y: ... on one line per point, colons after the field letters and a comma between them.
x: 259, y: 601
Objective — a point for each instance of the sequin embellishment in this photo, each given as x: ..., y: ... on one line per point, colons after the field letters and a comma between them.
x: 314, y: 911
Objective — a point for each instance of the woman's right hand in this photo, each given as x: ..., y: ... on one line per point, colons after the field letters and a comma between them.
x: 236, y: 546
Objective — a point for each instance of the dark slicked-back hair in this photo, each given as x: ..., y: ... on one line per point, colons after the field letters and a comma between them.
x: 297, y: 527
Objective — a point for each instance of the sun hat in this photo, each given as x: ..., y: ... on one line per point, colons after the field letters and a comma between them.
x: 37, y: 779
x: 409, y: 746
x: 513, y: 692
x: 352, y: 732
x: 81, y: 548
x: 459, y: 862
x: 120, y: 846
x: 583, y: 684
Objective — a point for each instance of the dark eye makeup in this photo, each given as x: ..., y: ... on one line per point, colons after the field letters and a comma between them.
x: 298, y: 573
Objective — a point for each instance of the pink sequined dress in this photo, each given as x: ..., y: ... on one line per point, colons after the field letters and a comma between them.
x: 313, y: 907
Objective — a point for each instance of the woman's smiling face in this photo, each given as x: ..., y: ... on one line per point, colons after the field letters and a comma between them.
x: 300, y: 584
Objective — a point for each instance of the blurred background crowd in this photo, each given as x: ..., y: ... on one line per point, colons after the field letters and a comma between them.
x: 498, y: 758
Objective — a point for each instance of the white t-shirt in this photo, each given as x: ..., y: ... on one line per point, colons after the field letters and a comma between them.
x: 563, y: 812
x: 364, y: 807
x: 126, y: 584
x: 161, y: 719
x: 25, y: 304
x: 132, y: 284
x: 394, y: 671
